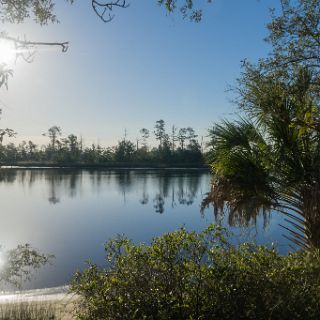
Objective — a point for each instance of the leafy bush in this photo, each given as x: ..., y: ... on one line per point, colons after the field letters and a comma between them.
x: 189, y: 275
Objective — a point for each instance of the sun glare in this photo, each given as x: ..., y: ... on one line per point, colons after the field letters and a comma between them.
x: 7, y: 52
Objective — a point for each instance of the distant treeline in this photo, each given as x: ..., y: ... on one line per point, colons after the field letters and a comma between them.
x: 178, y: 148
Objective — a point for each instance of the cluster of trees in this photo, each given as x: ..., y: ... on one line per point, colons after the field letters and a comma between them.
x: 179, y: 147
x: 270, y: 158
x: 23, y: 258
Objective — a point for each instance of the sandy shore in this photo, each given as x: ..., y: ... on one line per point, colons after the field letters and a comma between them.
x: 58, y: 299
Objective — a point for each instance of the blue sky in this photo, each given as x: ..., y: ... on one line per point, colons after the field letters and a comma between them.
x: 143, y: 66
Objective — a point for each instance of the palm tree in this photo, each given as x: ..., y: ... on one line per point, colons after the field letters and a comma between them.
x: 270, y: 158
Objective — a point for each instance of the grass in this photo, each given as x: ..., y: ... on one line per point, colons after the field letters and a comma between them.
x: 35, y: 311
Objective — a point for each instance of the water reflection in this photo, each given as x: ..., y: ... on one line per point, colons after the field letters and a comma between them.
x: 8, y: 176
x: 71, y: 213
x: 160, y: 188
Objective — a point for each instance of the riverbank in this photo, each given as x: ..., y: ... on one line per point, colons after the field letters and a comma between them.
x: 50, y: 303
x: 115, y: 165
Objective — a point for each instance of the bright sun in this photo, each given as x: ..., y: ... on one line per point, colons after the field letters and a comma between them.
x: 7, y: 52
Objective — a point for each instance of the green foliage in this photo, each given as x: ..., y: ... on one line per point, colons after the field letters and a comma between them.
x: 186, y: 8
x: 294, y: 35
x: 189, y: 275
x: 41, y: 11
x: 270, y: 159
x: 124, y: 151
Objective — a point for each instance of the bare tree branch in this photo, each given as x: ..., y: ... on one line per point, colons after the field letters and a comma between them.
x: 103, y: 9
x: 26, y: 50
x: 25, y: 44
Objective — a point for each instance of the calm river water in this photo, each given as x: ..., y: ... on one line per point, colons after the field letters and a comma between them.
x: 71, y: 213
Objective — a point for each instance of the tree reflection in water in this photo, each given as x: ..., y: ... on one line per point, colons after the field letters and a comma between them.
x: 246, y: 217
x: 161, y: 187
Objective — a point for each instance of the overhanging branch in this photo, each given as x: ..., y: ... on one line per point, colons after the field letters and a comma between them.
x: 24, y: 49
x: 103, y: 9
x: 28, y: 44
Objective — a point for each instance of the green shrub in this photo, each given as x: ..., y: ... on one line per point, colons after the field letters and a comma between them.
x: 189, y: 275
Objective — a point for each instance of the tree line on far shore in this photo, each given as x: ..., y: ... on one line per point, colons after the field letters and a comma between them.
x: 178, y: 147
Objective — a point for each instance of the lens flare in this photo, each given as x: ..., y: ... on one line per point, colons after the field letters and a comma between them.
x: 7, y: 53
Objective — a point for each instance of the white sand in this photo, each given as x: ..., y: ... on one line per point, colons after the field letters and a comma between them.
x: 36, y: 295
x: 58, y: 297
